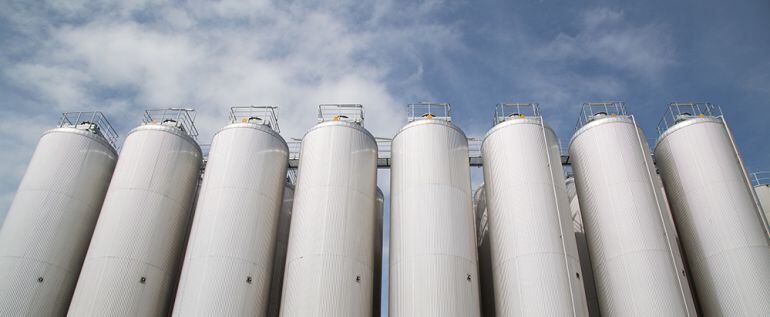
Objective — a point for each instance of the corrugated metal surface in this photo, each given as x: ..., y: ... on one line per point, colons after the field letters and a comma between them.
x: 50, y: 222
x: 536, y: 270
x: 486, y: 286
x: 229, y: 260
x: 589, y: 281
x: 722, y: 234
x: 622, y: 215
x: 379, y: 207
x: 279, y: 257
x: 330, y: 260
x: 763, y: 194
x: 433, y: 263
x: 133, y: 259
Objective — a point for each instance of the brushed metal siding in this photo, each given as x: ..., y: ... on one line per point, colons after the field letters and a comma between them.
x: 279, y: 258
x: 622, y: 216
x: 330, y: 259
x: 534, y: 254
x: 229, y: 260
x: 134, y: 255
x: 433, y: 263
x: 51, y: 220
x: 723, y: 236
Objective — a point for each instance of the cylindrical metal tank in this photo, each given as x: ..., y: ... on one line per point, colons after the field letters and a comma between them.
x: 134, y: 256
x: 229, y: 258
x: 379, y: 207
x: 279, y: 257
x: 535, y: 262
x: 724, y: 237
x: 45, y: 236
x: 763, y: 194
x: 433, y: 261
x: 486, y: 285
x: 330, y: 259
x: 622, y: 209
x: 589, y: 281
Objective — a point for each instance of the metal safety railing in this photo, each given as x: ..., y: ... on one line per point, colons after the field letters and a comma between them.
x: 181, y: 118
x: 429, y: 110
x: 353, y: 113
x: 760, y: 178
x: 591, y: 111
x: 680, y: 111
x: 92, y: 121
x: 266, y: 115
x: 508, y: 111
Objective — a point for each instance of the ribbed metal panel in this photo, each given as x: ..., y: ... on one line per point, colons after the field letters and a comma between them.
x: 279, y: 257
x: 486, y: 286
x: 723, y: 236
x: 536, y: 270
x: 379, y: 207
x: 622, y: 209
x: 587, y: 275
x: 45, y: 236
x: 229, y: 260
x: 330, y: 259
x: 133, y: 259
x: 433, y: 261
x: 763, y: 194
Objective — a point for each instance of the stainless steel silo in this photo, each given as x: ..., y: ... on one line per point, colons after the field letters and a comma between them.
x: 716, y: 213
x: 229, y: 258
x: 379, y: 207
x: 133, y: 259
x: 433, y: 261
x: 279, y: 257
x: 534, y: 255
x: 45, y: 236
x: 761, y: 183
x: 587, y: 275
x: 330, y: 259
x: 486, y: 285
x: 623, y: 217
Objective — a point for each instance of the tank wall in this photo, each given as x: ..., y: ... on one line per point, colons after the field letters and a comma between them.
x: 279, y: 259
x: 379, y: 209
x: 724, y: 239
x: 621, y: 207
x: 229, y: 260
x: 51, y: 220
x: 134, y: 255
x: 587, y: 275
x: 763, y: 194
x: 486, y: 286
x: 534, y: 254
x: 330, y: 259
x: 433, y: 263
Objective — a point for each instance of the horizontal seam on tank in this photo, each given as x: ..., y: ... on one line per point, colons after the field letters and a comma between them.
x: 353, y: 189
x: 420, y: 185
x: 193, y: 258
x: 36, y: 260
x: 528, y: 255
x: 125, y: 258
x: 434, y: 254
x: 148, y: 191
x: 701, y: 259
x: 56, y: 192
x: 610, y: 259
x: 317, y: 255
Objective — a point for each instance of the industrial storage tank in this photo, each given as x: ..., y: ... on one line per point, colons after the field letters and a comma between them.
x: 379, y: 208
x: 134, y: 255
x: 433, y: 261
x: 589, y: 281
x: 716, y: 213
x: 330, y: 259
x: 535, y: 262
x: 623, y: 216
x: 279, y: 256
x: 45, y: 235
x: 761, y: 182
x: 229, y: 258
x: 486, y: 286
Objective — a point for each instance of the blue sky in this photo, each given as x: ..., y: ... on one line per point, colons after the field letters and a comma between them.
x: 126, y: 56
